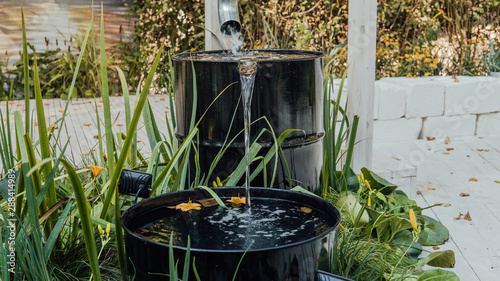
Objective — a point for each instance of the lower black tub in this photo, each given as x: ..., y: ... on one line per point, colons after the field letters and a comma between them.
x: 299, y: 259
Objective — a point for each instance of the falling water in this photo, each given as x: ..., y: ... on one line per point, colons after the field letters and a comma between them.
x: 247, y: 69
x: 233, y: 41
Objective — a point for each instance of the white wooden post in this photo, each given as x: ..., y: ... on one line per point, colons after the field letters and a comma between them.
x: 212, y: 26
x: 362, y: 37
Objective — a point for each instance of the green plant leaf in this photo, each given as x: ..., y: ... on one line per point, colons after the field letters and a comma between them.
x: 443, y: 259
x: 378, y: 183
x: 303, y: 190
x: 350, y: 209
x: 214, y: 195
x: 433, y: 232
x: 438, y: 274
x: 404, y: 239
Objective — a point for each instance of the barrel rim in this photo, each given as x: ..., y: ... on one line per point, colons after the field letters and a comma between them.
x: 126, y: 217
x: 186, y: 56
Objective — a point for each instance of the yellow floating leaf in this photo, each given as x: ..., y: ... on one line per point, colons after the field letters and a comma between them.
x: 472, y: 179
x: 86, y: 124
x: 189, y: 206
x: 96, y: 170
x: 306, y: 210
x: 237, y: 201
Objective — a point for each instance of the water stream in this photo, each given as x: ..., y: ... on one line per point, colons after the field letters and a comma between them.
x: 248, y: 69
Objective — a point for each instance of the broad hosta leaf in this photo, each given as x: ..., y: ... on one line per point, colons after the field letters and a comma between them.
x: 433, y: 233
x: 444, y: 259
x: 438, y: 275
x: 350, y: 209
x: 378, y: 183
x: 404, y: 239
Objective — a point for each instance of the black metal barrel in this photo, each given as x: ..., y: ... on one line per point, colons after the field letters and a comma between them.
x: 148, y: 260
x: 288, y: 93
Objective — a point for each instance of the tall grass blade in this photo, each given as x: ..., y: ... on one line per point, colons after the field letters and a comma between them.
x: 44, y: 140
x: 132, y: 153
x: 86, y: 224
x: 26, y: 76
x: 175, y: 158
x: 105, y: 100
x: 36, y: 253
x: 53, y: 237
x: 119, y: 166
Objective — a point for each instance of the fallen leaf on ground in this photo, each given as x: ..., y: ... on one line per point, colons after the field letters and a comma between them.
x: 467, y: 217
x: 446, y: 205
x: 419, y: 192
x: 100, y: 101
x: 436, y: 248
x: 464, y: 194
x: 431, y: 138
x: 497, y: 182
x: 86, y: 124
x: 85, y: 154
x: 486, y: 150
x: 119, y: 125
x: 431, y: 188
x: 189, y: 206
x: 446, y: 153
x: 472, y: 179
x: 479, y: 149
x: 35, y: 124
x: 208, y: 202
x: 447, y: 140
x: 458, y: 217
x: 438, y: 204
x: 449, y: 149
x: 61, y: 110
x: 96, y: 137
x: 162, y: 99
x: 306, y: 210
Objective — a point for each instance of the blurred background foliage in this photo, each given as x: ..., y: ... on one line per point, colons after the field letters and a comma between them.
x: 414, y: 38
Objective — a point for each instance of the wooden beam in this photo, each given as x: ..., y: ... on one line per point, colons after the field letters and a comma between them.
x: 362, y: 37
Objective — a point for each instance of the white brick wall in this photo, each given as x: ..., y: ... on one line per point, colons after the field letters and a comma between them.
x: 397, y: 129
x: 451, y: 126
x: 391, y: 100
x: 472, y: 95
x: 488, y: 125
x: 435, y: 106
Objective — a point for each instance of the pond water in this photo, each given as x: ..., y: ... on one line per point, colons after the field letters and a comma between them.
x: 50, y: 23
